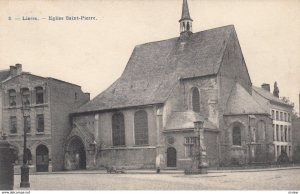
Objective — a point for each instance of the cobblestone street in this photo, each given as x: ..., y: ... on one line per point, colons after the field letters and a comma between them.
x: 91, y: 180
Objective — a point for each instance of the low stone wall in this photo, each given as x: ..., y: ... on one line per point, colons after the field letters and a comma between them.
x: 128, y: 158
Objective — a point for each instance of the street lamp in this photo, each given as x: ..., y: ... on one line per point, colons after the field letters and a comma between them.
x: 25, y: 168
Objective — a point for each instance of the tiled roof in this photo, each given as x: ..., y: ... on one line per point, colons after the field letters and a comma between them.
x: 154, y: 69
x: 269, y: 96
x: 185, y: 120
x: 241, y: 102
x: 4, y: 74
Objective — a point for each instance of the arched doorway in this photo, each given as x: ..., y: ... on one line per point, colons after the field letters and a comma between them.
x: 42, y: 158
x: 77, y: 153
x: 171, y: 157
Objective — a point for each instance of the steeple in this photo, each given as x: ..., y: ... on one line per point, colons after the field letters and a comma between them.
x: 185, y: 21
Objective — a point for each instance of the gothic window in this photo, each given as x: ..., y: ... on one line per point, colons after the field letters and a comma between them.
x: 27, y: 124
x: 141, y: 127
x: 12, y: 97
x: 236, y: 136
x: 13, y: 124
x: 195, y: 100
x: 40, y: 123
x: 25, y: 96
x: 118, y: 129
x: 261, y: 132
x: 39, y: 95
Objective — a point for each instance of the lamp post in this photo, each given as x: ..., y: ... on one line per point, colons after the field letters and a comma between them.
x: 25, y: 168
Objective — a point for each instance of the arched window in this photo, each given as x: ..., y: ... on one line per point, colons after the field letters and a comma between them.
x: 261, y: 131
x: 39, y: 95
x: 141, y: 127
x: 195, y: 100
x: 236, y: 136
x: 25, y: 96
x: 12, y: 97
x: 118, y: 129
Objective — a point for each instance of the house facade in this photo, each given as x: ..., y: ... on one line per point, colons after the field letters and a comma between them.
x: 146, y: 118
x: 48, y: 102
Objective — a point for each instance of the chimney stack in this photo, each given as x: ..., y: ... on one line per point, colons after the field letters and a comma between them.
x: 12, y: 71
x: 266, y: 87
x: 276, y: 90
x: 19, y: 68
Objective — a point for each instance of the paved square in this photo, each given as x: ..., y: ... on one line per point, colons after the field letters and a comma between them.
x: 263, y: 180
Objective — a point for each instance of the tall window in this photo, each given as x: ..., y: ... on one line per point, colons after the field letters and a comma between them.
x: 236, y: 136
x: 141, y: 127
x: 261, y: 132
x: 40, y: 122
x: 195, y: 100
x: 281, y: 131
x: 13, y: 124
x: 25, y: 96
x: 39, y: 94
x: 189, y: 143
x: 118, y: 129
x: 27, y: 124
x: 277, y: 115
x: 12, y: 97
x: 277, y: 133
x: 273, y: 116
x: 281, y: 116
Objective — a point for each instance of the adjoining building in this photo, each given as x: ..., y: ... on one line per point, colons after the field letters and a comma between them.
x: 146, y: 118
x: 49, y: 101
x: 296, y: 136
x: 281, y: 113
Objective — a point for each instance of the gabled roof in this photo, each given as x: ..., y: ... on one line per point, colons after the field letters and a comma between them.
x: 241, y: 102
x: 4, y: 74
x: 269, y: 96
x: 185, y: 120
x: 154, y: 69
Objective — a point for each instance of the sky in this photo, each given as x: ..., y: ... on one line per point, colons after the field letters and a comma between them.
x: 93, y: 54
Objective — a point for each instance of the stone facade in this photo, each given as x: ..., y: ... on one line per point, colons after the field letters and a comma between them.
x: 49, y: 102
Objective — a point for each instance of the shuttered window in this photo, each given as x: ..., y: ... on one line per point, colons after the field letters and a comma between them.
x: 141, y: 127
x: 118, y: 129
x: 196, y: 100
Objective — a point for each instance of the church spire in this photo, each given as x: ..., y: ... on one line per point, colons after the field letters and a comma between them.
x: 185, y: 21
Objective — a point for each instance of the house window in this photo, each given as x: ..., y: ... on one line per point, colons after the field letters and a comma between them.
x: 39, y: 95
x: 281, y: 116
x: 274, y: 132
x: 277, y: 115
x: 189, y: 143
x: 281, y: 130
x: 236, y: 136
x: 285, y: 119
x: 141, y: 127
x: 118, y: 129
x: 13, y: 124
x: 195, y: 100
x: 277, y: 133
x: 273, y: 116
x: 27, y: 124
x: 12, y: 97
x: 40, y: 123
x: 25, y: 96
x: 285, y: 133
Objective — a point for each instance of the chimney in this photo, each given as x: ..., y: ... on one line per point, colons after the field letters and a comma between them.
x: 88, y: 95
x: 19, y: 68
x: 276, y: 90
x: 266, y: 87
x: 12, y: 71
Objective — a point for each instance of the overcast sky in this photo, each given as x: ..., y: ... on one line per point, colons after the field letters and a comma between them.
x: 93, y: 54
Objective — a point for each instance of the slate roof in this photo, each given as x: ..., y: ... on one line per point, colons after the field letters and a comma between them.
x: 185, y: 120
x: 269, y: 96
x: 154, y: 69
x: 4, y: 74
x: 241, y: 102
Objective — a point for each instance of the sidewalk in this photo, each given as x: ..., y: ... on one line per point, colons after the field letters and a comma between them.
x: 164, y: 171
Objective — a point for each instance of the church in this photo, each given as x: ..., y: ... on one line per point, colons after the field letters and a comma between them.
x: 147, y: 117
